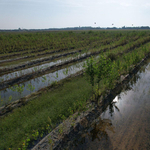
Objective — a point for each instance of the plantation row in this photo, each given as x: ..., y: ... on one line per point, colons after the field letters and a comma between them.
x: 36, y: 73
x: 48, y: 66
x: 13, y: 78
x: 49, y: 51
x: 50, y: 40
x: 44, y: 60
x: 18, y: 42
x: 22, y: 74
x: 37, y: 54
x: 40, y: 115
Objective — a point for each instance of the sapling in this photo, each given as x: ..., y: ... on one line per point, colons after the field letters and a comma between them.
x: 44, y: 78
x: 13, y: 88
x: 17, y: 88
x: 30, y: 87
x: 35, y: 69
x: 16, y: 74
x: 10, y: 98
x: 70, y: 110
x: 103, y: 68
x: 20, y: 89
x: 90, y: 70
x: 48, y: 81
x: 56, y: 74
x: 50, y: 122
x: 65, y: 72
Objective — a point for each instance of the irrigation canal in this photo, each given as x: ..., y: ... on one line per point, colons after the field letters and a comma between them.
x: 35, y: 68
x: 40, y: 82
x: 125, y: 122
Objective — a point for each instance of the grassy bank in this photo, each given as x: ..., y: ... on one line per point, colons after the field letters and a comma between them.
x: 35, y: 115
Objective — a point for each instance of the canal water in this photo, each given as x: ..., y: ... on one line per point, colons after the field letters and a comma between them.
x: 36, y: 68
x: 39, y: 82
x: 125, y: 124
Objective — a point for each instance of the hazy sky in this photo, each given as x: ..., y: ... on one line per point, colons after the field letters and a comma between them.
x: 37, y: 14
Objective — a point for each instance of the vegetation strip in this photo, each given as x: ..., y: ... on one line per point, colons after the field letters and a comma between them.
x: 74, y: 84
x: 47, y: 51
x: 17, y: 42
x: 37, y: 62
x: 55, y: 51
x: 51, y: 52
x: 40, y: 54
x: 26, y: 77
x: 4, y: 110
x: 9, y: 60
x: 3, y: 71
x: 22, y: 101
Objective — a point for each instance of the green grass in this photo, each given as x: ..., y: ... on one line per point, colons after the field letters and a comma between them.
x: 35, y: 114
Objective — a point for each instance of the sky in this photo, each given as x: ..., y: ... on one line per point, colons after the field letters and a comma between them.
x: 44, y: 14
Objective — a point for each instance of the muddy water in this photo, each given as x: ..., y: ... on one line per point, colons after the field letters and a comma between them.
x: 125, y: 124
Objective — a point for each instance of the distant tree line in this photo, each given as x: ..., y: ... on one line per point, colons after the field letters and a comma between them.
x: 78, y: 28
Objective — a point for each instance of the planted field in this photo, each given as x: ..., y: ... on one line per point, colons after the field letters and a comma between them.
x: 47, y: 76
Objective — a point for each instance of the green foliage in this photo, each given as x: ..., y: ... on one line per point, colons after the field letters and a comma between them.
x: 44, y: 79
x: 91, y: 70
x: 28, y: 41
x: 90, y: 32
x: 65, y: 72
x: 35, y: 114
x: 98, y: 70
x: 30, y: 87
x: 10, y: 98
x: 54, y: 83
x: 112, y: 56
x: 103, y: 68
x: 17, y: 88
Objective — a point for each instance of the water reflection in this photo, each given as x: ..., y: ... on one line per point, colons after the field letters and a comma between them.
x: 98, y: 132
x: 112, y: 108
x: 36, y: 68
x: 134, y: 80
x: 39, y: 82
x: 99, y: 129
x: 125, y: 122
